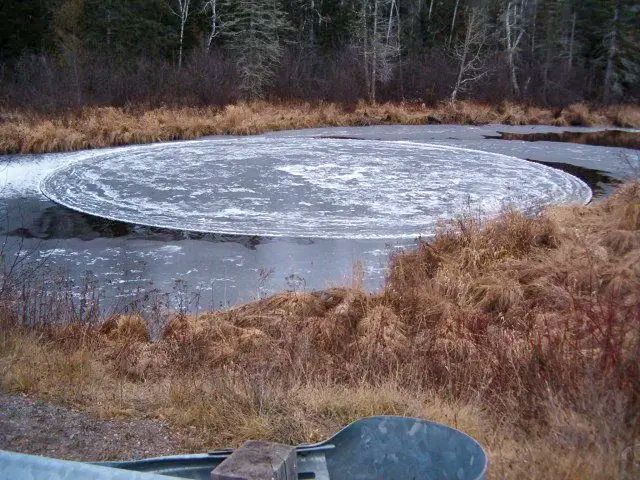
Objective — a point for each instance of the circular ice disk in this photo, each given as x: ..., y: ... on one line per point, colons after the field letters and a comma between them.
x: 304, y: 187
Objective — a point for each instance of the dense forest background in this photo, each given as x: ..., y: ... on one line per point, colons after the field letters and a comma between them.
x: 61, y: 54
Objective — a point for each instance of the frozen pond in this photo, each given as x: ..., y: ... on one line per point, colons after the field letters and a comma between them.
x: 304, y: 187
x: 206, y: 270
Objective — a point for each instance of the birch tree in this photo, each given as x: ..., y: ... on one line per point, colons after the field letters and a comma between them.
x: 453, y: 22
x: 182, y: 12
x: 468, y: 53
x: 514, y: 29
x: 211, y: 9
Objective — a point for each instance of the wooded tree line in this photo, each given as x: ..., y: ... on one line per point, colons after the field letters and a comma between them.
x: 64, y: 53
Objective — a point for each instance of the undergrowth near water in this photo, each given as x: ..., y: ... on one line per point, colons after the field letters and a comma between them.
x: 522, y: 331
x: 95, y: 127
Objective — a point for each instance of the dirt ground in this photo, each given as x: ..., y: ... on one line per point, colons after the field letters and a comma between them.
x: 36, y: 427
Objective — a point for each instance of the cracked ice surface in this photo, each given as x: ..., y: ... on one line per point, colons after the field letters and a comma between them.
x: 303, y: 187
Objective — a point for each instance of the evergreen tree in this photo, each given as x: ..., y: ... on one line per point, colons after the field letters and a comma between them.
x: 252, y: 32
x: 126, y: 31
x: 25, y: 28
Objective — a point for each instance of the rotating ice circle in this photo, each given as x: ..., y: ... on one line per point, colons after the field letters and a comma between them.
x: 303, y: 187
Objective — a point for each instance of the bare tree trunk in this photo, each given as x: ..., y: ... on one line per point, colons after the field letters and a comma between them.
x: 183, y: 14
x: 430, y: 10
x: 374, y: 73
x: 571, y: 42
x: 514, y: 78
x: 378, y: 37
x: 365, y: 48
x: 399, y: 51
x: 109, y: 26
x: 312, y: 28
x: 533, y: 26
x: 453, y: 22
x: 390, y: 22
x: 463, y: 60
x: 512, y: 71
x: 396, y: 47
x: 469, y: 52
x: 214, y: 31
x: 181, y: 41
x: 607, y: 91
x: 513, y: 32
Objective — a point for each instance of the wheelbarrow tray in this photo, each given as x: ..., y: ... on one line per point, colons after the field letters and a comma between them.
x: 381, y: 447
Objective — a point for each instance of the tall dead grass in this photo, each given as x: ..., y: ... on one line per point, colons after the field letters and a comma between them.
x: 25, y: 132
x: 523, y: 331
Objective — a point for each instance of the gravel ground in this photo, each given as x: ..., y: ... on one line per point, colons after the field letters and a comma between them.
x: 31, y: 426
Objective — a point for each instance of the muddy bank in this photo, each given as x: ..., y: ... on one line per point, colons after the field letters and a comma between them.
x: 603, y: 138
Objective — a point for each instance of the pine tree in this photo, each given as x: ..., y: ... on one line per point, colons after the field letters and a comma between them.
x: 252, y: 32
x: 25, y: 28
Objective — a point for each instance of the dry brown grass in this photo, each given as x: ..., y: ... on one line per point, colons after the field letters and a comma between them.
x: 24, y: 132
x: 522, y: 331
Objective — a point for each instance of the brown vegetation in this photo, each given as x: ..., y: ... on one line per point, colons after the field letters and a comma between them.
x: 23, y: 132
x: 522, y: 331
